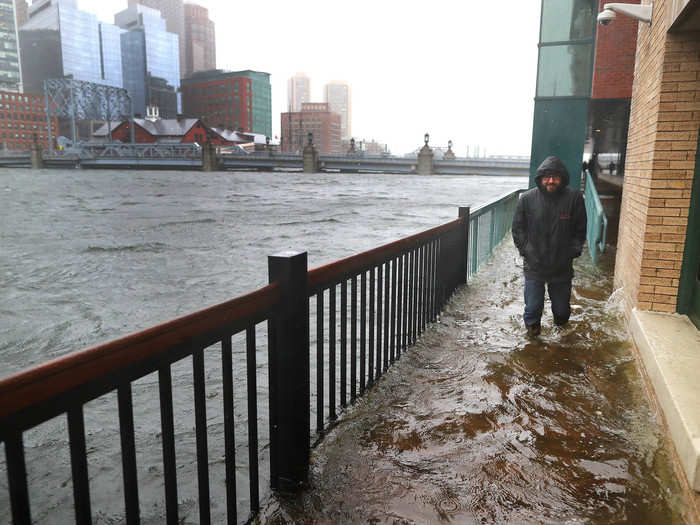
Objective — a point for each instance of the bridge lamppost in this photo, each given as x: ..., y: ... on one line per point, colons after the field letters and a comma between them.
x: 425, y: 158
x: 449, y: 154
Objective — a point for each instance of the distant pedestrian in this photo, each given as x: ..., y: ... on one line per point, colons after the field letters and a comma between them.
x: 549, y: 229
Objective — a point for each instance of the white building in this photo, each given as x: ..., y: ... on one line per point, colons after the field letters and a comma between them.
x: 298, y: 92
x: 338, y: 97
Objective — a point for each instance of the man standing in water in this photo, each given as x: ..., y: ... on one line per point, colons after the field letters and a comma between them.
x: 549, y: 229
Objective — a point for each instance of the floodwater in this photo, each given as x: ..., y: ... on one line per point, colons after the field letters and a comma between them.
x: 480, y: 424
x: 88, y: 256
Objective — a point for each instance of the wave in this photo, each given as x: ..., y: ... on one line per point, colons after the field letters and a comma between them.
x: 154, y: 247
x: 194, y: 221
x: 317, y: 221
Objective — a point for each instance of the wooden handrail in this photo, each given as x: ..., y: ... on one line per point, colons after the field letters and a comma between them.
x: 323, y: 276
x: 45, y: 381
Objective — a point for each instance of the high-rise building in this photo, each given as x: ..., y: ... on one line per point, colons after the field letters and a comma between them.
x: 339, y: 101
x: 151, y: 67
x: 298, y: 92
x: 240, y: 100
x: 59, y: 40
x: 314, y: 118
x: 173, y: 11
x: 21, y: 12
x: 200, y: 41
x: 10, y: 68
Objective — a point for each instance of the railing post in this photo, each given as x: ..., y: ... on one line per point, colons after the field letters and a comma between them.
x: 464, y: 246
x: 289, y: 373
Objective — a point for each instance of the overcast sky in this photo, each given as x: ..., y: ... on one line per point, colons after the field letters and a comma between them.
x: 459, y: 69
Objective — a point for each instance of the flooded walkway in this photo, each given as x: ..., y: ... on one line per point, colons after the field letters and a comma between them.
x: 479, y: 424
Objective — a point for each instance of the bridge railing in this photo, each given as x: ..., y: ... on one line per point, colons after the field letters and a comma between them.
x: 110, y: 150
x: 597, y: 222
x: 366, y: 310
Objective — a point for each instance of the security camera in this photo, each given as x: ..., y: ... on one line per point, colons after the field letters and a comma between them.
x: 637, y: 11
x: 606, y: 17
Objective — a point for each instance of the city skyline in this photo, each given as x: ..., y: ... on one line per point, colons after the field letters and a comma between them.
x: 450, y: 70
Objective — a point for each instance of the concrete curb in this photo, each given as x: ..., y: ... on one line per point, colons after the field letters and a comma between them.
x: 669, y: 345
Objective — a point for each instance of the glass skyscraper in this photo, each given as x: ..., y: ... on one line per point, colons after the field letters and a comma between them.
x: 173, y: 12
x: 72, y: 43
x: 261, y: 101
x: 10, y: 70
x: 151, y: 65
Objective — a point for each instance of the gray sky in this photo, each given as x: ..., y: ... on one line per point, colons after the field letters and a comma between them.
x: 460, y: 70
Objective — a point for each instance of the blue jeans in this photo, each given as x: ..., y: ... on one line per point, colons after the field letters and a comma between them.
x: 559, y: 294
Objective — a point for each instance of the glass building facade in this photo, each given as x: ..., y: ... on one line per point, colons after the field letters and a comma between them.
x: 564, y: 75
x: 87, y: 49
x: 134, y: 68
x: 261, y: 100
x: 111, y: 53
x: 10, y: 70
x: 150, y: 57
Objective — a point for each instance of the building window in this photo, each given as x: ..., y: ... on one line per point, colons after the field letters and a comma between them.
x: 566, y: 20
x: 565, y: 71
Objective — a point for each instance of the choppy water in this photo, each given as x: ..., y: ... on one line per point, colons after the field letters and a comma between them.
x: 89, y: 256
x: 480, y: 424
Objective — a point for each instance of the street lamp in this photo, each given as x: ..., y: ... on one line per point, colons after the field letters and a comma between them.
x: 426, y: 138
x: 310, y: 138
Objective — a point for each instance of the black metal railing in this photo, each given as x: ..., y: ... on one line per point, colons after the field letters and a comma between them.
x: 385, y: 297
x: 65, y: 385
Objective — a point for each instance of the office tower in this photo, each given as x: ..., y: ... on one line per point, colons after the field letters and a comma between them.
x: 200, y: 41
x: 239, y: 100
x: 173, y: 11
x: 10, y: 68
x: 298, y: 92
x: 150, y: 65
x: 59, y: 40
x: 338, y: 98
x: 21, y: 12
x: 315, y: 118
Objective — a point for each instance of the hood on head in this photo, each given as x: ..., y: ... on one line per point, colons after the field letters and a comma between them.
x: 550, y: 164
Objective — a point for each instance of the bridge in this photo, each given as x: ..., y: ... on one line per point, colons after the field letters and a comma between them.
x: 190, y: 157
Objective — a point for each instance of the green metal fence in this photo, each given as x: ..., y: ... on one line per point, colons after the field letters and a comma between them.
x: 597, y: 227
x: 488, y: 225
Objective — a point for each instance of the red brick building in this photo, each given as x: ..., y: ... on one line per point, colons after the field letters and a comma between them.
x: 162, y: 130
x: 180, y: 130
x: 219, y: 100
x: 611, y: 93
x: 313, y: 118
x: 615, y: 49
x: 22, y: 116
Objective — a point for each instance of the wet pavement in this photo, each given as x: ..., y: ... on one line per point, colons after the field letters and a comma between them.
x: 480, y: 424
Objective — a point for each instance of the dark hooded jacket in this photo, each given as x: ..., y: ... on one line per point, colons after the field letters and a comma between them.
x: 549, y: 229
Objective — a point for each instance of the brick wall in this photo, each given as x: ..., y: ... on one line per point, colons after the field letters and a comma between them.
x: 615, y: 48
x: 663, y: 134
